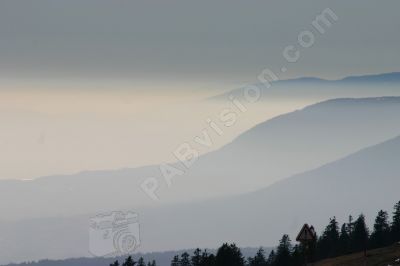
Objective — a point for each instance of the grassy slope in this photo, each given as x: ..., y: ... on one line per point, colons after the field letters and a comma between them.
x: 378, y: 257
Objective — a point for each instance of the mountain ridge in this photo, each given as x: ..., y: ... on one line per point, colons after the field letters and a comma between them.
x: 351, y: 185
x: 279, y: 148
x: 373, y: 85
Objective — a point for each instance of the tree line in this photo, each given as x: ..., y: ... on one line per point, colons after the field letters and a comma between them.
x: 352, y: 236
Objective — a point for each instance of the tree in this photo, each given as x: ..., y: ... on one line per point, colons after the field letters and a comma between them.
x: 380, y: 237
x: 207, y: 259
x: 350, y: 226
x: 298, y: 255
x: 197, y: 257
x: 395, y: 226
x: 175, y: 261
x: 152, y: 263
x: 229, y: 255
x: 359, y: 237
x: 283, y: 252
x: 141, y: 262
x: 328, y: 244
x: 129, y: 262
x: 185, y: 259
x: 115, y: 263
x: 259, y: 259
x: 344, y: 240
x: 271, y: 258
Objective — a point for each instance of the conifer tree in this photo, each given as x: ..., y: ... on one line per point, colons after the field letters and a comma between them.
x: 380, y: 237
x: 271, y: 258
x: 359, y: 237
x: 328, y: 243
x: 197, y: 257
x: 185, y: 259
x: 283, y: 252
x: 207, y: 259
x: 129, y: 262
x: 344, y: 240
x: 298, y: 255
x: 229, y: 255
x: 141, y: 262
x: 350, y: 226
x: 259, y: 259
x: 395, y: 226
x: 115, y: 263
x: 175, y: 261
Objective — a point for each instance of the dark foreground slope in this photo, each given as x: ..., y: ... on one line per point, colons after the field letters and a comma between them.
x: 378, y: 257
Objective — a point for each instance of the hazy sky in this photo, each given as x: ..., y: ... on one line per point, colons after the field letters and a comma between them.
x: 107, y: 84
x: 226, y: 40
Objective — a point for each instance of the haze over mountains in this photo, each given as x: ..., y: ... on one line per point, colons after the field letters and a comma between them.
x: 281, y: 147
x: 278, y: 148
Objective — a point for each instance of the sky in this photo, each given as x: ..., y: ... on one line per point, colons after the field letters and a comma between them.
x: 89, y: 85
x: 224, y: 41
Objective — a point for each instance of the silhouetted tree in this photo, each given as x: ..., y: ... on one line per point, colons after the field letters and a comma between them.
x: 380, y: 237
x: 283, y: 252
x: 185, y: 259
x: 175, y: 261
x: 298, y: 255
x: 129, y: 262
x: 395, y: 226
x: 229, y: 255
x: 207, y: 259
x: 259, y: 259
x: 115, y: 263
x: 328, y: 244
x: 359, y: 237
x: 271, y: 258
x: 152, y: 263
x: 141, y: 262
x: 196, y: 258
x: 344, y: 240
x: 350, y: 226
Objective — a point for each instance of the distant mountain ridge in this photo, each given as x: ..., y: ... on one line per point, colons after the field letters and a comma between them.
x: 162, y: 258
x: 352, y: 185
x: 374, y: 85
x: 383, y: 77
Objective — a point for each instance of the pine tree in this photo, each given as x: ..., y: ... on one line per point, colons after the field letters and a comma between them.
x: 152, y: 263
x: 259, y: 259
x: 229, y: 255
x: 141, y: 262
x: 197, y: 257
x: 115, y: 263
x: 175, y: 261
x: 359, y: 238
x: 350, y: 226
x: 185, y: 259
x: 298, y: 255
x: 207, y: 259
x: 328, y: 244
x: 344, y: 240
x: 271, y: 258
x: 380, y: 237
x: 129, y: 262
x: 395, y: 226
x: 283, y: 252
